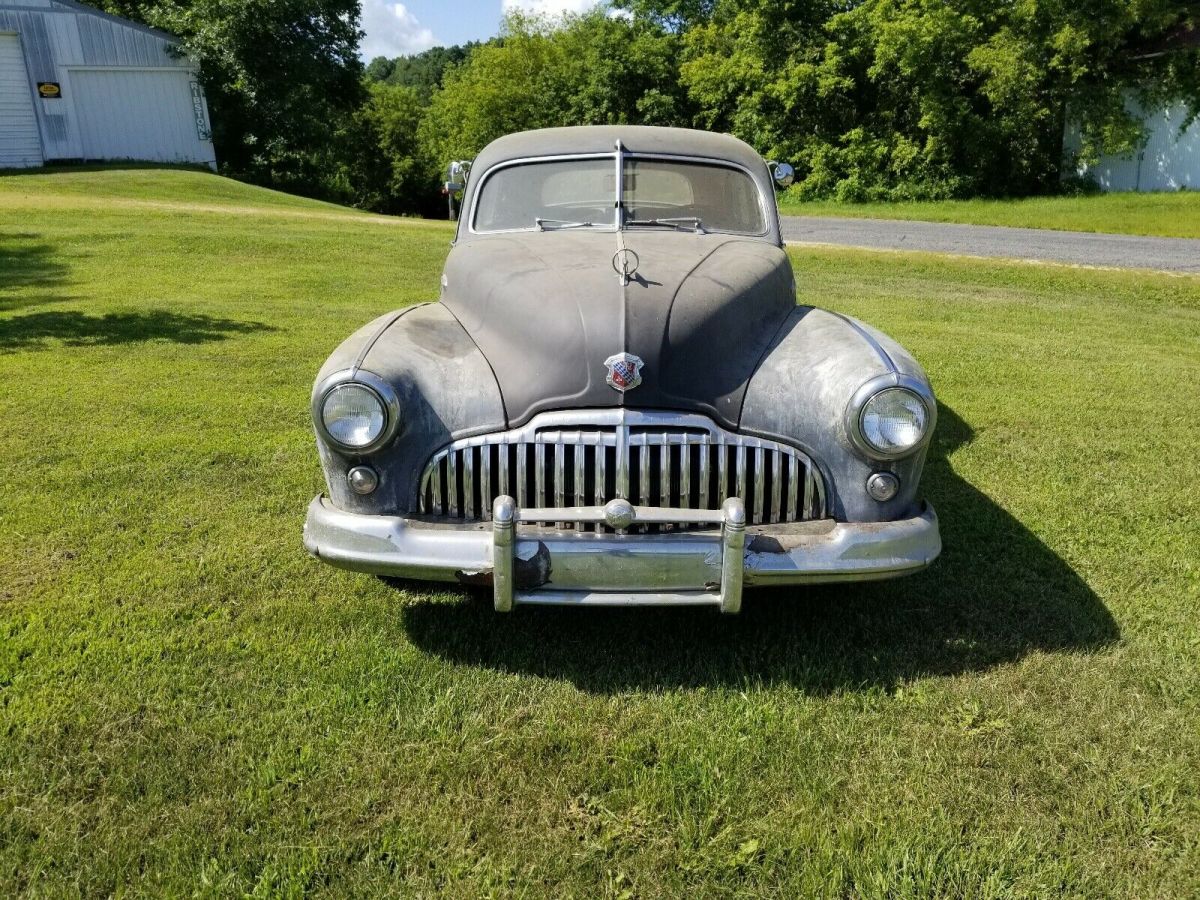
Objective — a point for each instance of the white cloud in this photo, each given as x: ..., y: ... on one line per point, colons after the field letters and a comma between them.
x: 550, y: 7
x: 391, y: 30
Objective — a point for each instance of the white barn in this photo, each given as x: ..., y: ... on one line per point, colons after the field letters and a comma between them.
x: 79, y: 84
x: 1168, y: 161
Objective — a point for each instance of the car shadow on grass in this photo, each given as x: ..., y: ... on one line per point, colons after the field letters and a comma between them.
x: 996, y: 594
x: 77, y: 329
x: 30, y: 274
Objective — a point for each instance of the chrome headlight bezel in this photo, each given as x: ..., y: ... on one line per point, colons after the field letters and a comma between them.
x: 858, y: 403
x: 376, y: 385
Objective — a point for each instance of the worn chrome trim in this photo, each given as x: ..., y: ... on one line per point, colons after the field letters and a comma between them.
x: 384, y: 391
x: 870, y: 340
x: 854, y: 410
x: 549, y: 566
x: 507, y: 516
x: 624, y: 430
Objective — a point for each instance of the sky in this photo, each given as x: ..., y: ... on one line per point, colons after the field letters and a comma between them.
x: 395, y: 29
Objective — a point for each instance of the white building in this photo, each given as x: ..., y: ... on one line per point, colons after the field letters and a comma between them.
x: 79, y: 84
x: 1168, y: 161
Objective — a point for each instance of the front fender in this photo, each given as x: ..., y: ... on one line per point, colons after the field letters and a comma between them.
x: 800, y: 394
x: 446, y: 391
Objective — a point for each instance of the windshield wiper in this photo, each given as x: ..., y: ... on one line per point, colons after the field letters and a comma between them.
x: 688, y: 223
x: 556, y: 224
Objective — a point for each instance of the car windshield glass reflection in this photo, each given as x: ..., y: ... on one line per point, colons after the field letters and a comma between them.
x: 656, y: 194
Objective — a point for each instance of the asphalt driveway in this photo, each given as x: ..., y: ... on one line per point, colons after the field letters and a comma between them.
x: 1072, y: 247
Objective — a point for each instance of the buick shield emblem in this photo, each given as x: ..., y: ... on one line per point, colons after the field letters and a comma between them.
x: 624, y: 371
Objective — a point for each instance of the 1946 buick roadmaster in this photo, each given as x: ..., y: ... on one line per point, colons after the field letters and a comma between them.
x: 616, y: 399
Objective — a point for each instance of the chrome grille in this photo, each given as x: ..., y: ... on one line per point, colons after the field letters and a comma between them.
x: 589, y: 457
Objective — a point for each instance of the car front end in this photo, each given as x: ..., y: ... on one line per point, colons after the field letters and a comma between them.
x: 622, y: 412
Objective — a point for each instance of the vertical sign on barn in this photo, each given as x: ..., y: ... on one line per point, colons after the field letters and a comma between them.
x: 202, y: 130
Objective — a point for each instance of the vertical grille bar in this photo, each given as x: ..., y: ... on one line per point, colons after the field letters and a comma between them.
x: 644, y: 471
x: 452, y: 462
x: 439, y: 489
x: 601, y: 474
x: 539, y: 475
x: 522, y: 474
x: 581, y: 450
x: 741, y: 473
x: 776, y: 483
x: 664, y: 478
x: 503, y: 474
x: 760, y: 483
x: 685, y: 475
x: 705, y: 469
x: 793, y: 502
x: 722, y: 473
x: 485, y: 482
x: 560, y: 473
x: 469, y: 483
x: 579, y: 453
x: 621, y: 457
x: 810, y: 494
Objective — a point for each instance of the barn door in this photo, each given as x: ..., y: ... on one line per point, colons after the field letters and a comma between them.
x: 20, y: 143
x: 140, y: 114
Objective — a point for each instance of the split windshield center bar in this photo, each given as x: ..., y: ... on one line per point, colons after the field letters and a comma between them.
x: 620, y: 202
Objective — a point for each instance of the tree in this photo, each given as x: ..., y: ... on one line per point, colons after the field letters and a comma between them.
x: 578, y: 70
x: 880, y: 99
x: 283, y: 80
x: 396, y: 176
x: 423, y: 71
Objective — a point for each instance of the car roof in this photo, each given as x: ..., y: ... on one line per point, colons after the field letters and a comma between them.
x: 603, y: 138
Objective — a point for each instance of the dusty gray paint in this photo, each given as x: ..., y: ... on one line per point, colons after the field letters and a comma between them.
x: 800, y: 394
x: 547, y: 309
x: 526, y: 320
x: 446, y: 391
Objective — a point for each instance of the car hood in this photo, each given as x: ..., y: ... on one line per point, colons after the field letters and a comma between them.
x: 548, y: 308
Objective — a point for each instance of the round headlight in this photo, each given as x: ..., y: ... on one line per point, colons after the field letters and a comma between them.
x: 894, y: 421
x: 353, y: 415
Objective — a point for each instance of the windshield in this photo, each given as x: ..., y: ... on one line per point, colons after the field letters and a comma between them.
x: 581, y: 193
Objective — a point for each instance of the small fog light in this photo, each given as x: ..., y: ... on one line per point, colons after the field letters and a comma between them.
x: 363, y: 479
x: 882, y: 486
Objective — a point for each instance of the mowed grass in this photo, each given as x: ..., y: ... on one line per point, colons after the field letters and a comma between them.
x: 190, y: 704
x: 1159, y: 214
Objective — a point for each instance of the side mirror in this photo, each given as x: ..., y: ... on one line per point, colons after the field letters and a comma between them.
x: 783, y: 174
x: 457, y: 170
x: 456, y: 182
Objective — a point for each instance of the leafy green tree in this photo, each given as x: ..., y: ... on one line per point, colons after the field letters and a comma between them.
x: 283, y: 81
x: 424, y: 71
x: 878, y: 99
x: 395, y: 176
x: 380, y: 68
x: 579, y: 70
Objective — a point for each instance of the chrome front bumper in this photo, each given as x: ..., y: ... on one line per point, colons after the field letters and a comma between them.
x: 538, y: 564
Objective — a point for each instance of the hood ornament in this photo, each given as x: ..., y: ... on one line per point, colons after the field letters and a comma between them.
x: 624, y: 371
x: 625, y: 262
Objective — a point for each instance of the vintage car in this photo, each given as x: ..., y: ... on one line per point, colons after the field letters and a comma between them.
x: 616, y: 399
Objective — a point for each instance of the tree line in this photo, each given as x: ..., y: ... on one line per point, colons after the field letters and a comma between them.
x: 869, y: 99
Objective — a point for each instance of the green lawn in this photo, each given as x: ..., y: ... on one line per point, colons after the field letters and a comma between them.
x: 190, y: 704
x: 1165, y: 215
